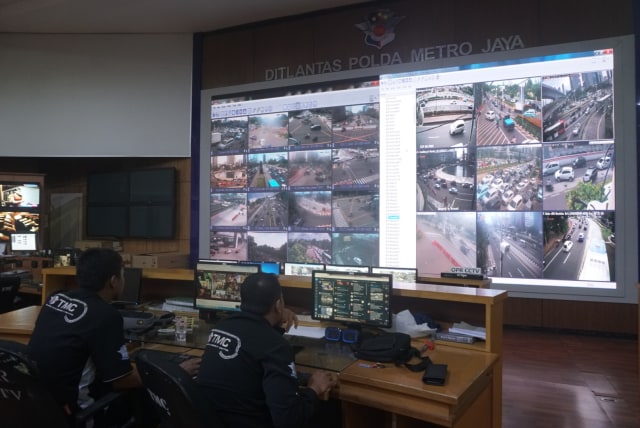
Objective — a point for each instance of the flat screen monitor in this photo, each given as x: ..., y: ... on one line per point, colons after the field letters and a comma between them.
x: 400, y: 275
x: 19, y: 195
x: 352, y: 298
x: 266, y: 267
x: 346, y: 268
x: 302, y: 269
x: 24, y: 242
x: 217, y: 285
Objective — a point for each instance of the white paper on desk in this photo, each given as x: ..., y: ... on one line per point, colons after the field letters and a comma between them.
x: 305, y: 331
x: 404, y: 322
x: 468, y: 329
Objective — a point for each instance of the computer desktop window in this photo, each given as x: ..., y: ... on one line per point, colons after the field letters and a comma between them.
x: 217, y: 285
x: 352, y: 298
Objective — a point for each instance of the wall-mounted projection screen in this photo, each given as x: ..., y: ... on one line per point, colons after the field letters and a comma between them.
x: 511, y: 162
x: 122, y: 95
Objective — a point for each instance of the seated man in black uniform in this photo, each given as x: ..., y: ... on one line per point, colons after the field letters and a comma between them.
x: 78, y: 341
x: 247, y: 371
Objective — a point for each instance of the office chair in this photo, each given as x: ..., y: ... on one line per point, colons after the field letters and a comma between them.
x: 27, y: 403
x: 9, y: 285
x: 174, y: 393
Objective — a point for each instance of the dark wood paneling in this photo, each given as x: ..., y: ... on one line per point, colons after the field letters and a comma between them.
x: 572, y: 315
x: 241, y: 56
x: 592, y: 316
x: 523, y: 312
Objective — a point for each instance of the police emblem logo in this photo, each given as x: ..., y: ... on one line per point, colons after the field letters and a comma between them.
x: 379, y: 28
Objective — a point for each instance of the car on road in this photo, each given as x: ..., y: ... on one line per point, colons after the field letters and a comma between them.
x: 357, y: 260
x: 550, y: 168
x: 590, y: 175
x: 579, y: 162
x: 437, y: 185
x: 493, y: 203
x: 507, y: 196
x: 453, y: 190
x: 516, y: 203
x: 457, y: 127
x: 567, y: 246
x: 576, y: 129
x: 490, y: 115
x: 315, y: 127
x: 581, y: 237
x: 603, y: 162
x: 564, y: 174
x: 292, y: 142
x: 530, y: 113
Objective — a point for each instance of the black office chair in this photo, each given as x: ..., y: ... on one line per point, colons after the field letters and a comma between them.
x: 9, y: 285
x: 27, y: 403
x: 174, y: 393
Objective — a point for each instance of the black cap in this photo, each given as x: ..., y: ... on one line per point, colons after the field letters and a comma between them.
x: 259, y: 292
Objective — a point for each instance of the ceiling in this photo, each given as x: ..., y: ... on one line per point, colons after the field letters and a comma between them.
x: 147, y: 16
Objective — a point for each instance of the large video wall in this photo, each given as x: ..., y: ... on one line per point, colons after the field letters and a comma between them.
x: 508, y: 166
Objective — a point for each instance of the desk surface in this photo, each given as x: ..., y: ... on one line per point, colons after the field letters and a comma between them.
x: 20, y: 321
x: 395, y: 389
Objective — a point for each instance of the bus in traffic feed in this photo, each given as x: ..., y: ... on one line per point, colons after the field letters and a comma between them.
x: 554, y: 131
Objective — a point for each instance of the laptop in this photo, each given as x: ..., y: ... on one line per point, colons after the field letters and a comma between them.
x: 130, y: 296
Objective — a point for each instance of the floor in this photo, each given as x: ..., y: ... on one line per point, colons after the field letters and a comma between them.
x: 563, y: 380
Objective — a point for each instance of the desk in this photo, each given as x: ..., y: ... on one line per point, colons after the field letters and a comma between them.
x: 397, y: 397
x: 472, y: 399
x: 17, y: 325
x: 393, y: 396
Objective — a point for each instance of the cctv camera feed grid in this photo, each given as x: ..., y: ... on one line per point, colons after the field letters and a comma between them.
x: 218, y: 285
x: 352, y: 298
x: 19, y: 215
x: 515, y: 174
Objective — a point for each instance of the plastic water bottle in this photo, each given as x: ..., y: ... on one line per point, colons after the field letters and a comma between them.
x: 181, y: 329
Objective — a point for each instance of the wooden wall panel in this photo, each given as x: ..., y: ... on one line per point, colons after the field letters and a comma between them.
x: 240, y: 56
x: 572, y: 315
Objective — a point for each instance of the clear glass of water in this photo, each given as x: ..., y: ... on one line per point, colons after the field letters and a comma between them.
x: 181, y: 329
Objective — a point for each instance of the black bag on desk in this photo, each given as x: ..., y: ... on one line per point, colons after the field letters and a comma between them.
x: 386, y: 348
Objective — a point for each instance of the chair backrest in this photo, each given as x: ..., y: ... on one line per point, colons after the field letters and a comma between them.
x: 24, y: 401
x: 173, y: 392
x: 9, y: 285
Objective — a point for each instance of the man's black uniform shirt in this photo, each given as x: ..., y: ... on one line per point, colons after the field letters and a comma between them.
x: 249, y: 377
x: 79, y: 346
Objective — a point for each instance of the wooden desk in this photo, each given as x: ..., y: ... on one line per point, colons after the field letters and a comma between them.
x: 478, y: 397
x: 30, y: 290
x: 396, y: 397
x: 17, y: 325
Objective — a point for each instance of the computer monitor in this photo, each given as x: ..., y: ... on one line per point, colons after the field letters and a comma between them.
x: 400, y: 275
x: 357, y: 299
x: 23, y: 242
x: 302, y: 269
x: 346, y: 268
x: 266, y: 267
x: 217, y: 285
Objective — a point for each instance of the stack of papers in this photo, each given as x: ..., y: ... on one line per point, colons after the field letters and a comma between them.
x: 468, y: 329
x: 304, y: 331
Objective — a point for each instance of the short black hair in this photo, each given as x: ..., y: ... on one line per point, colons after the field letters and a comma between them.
x: 95, y: 266
x: 258, y: 292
